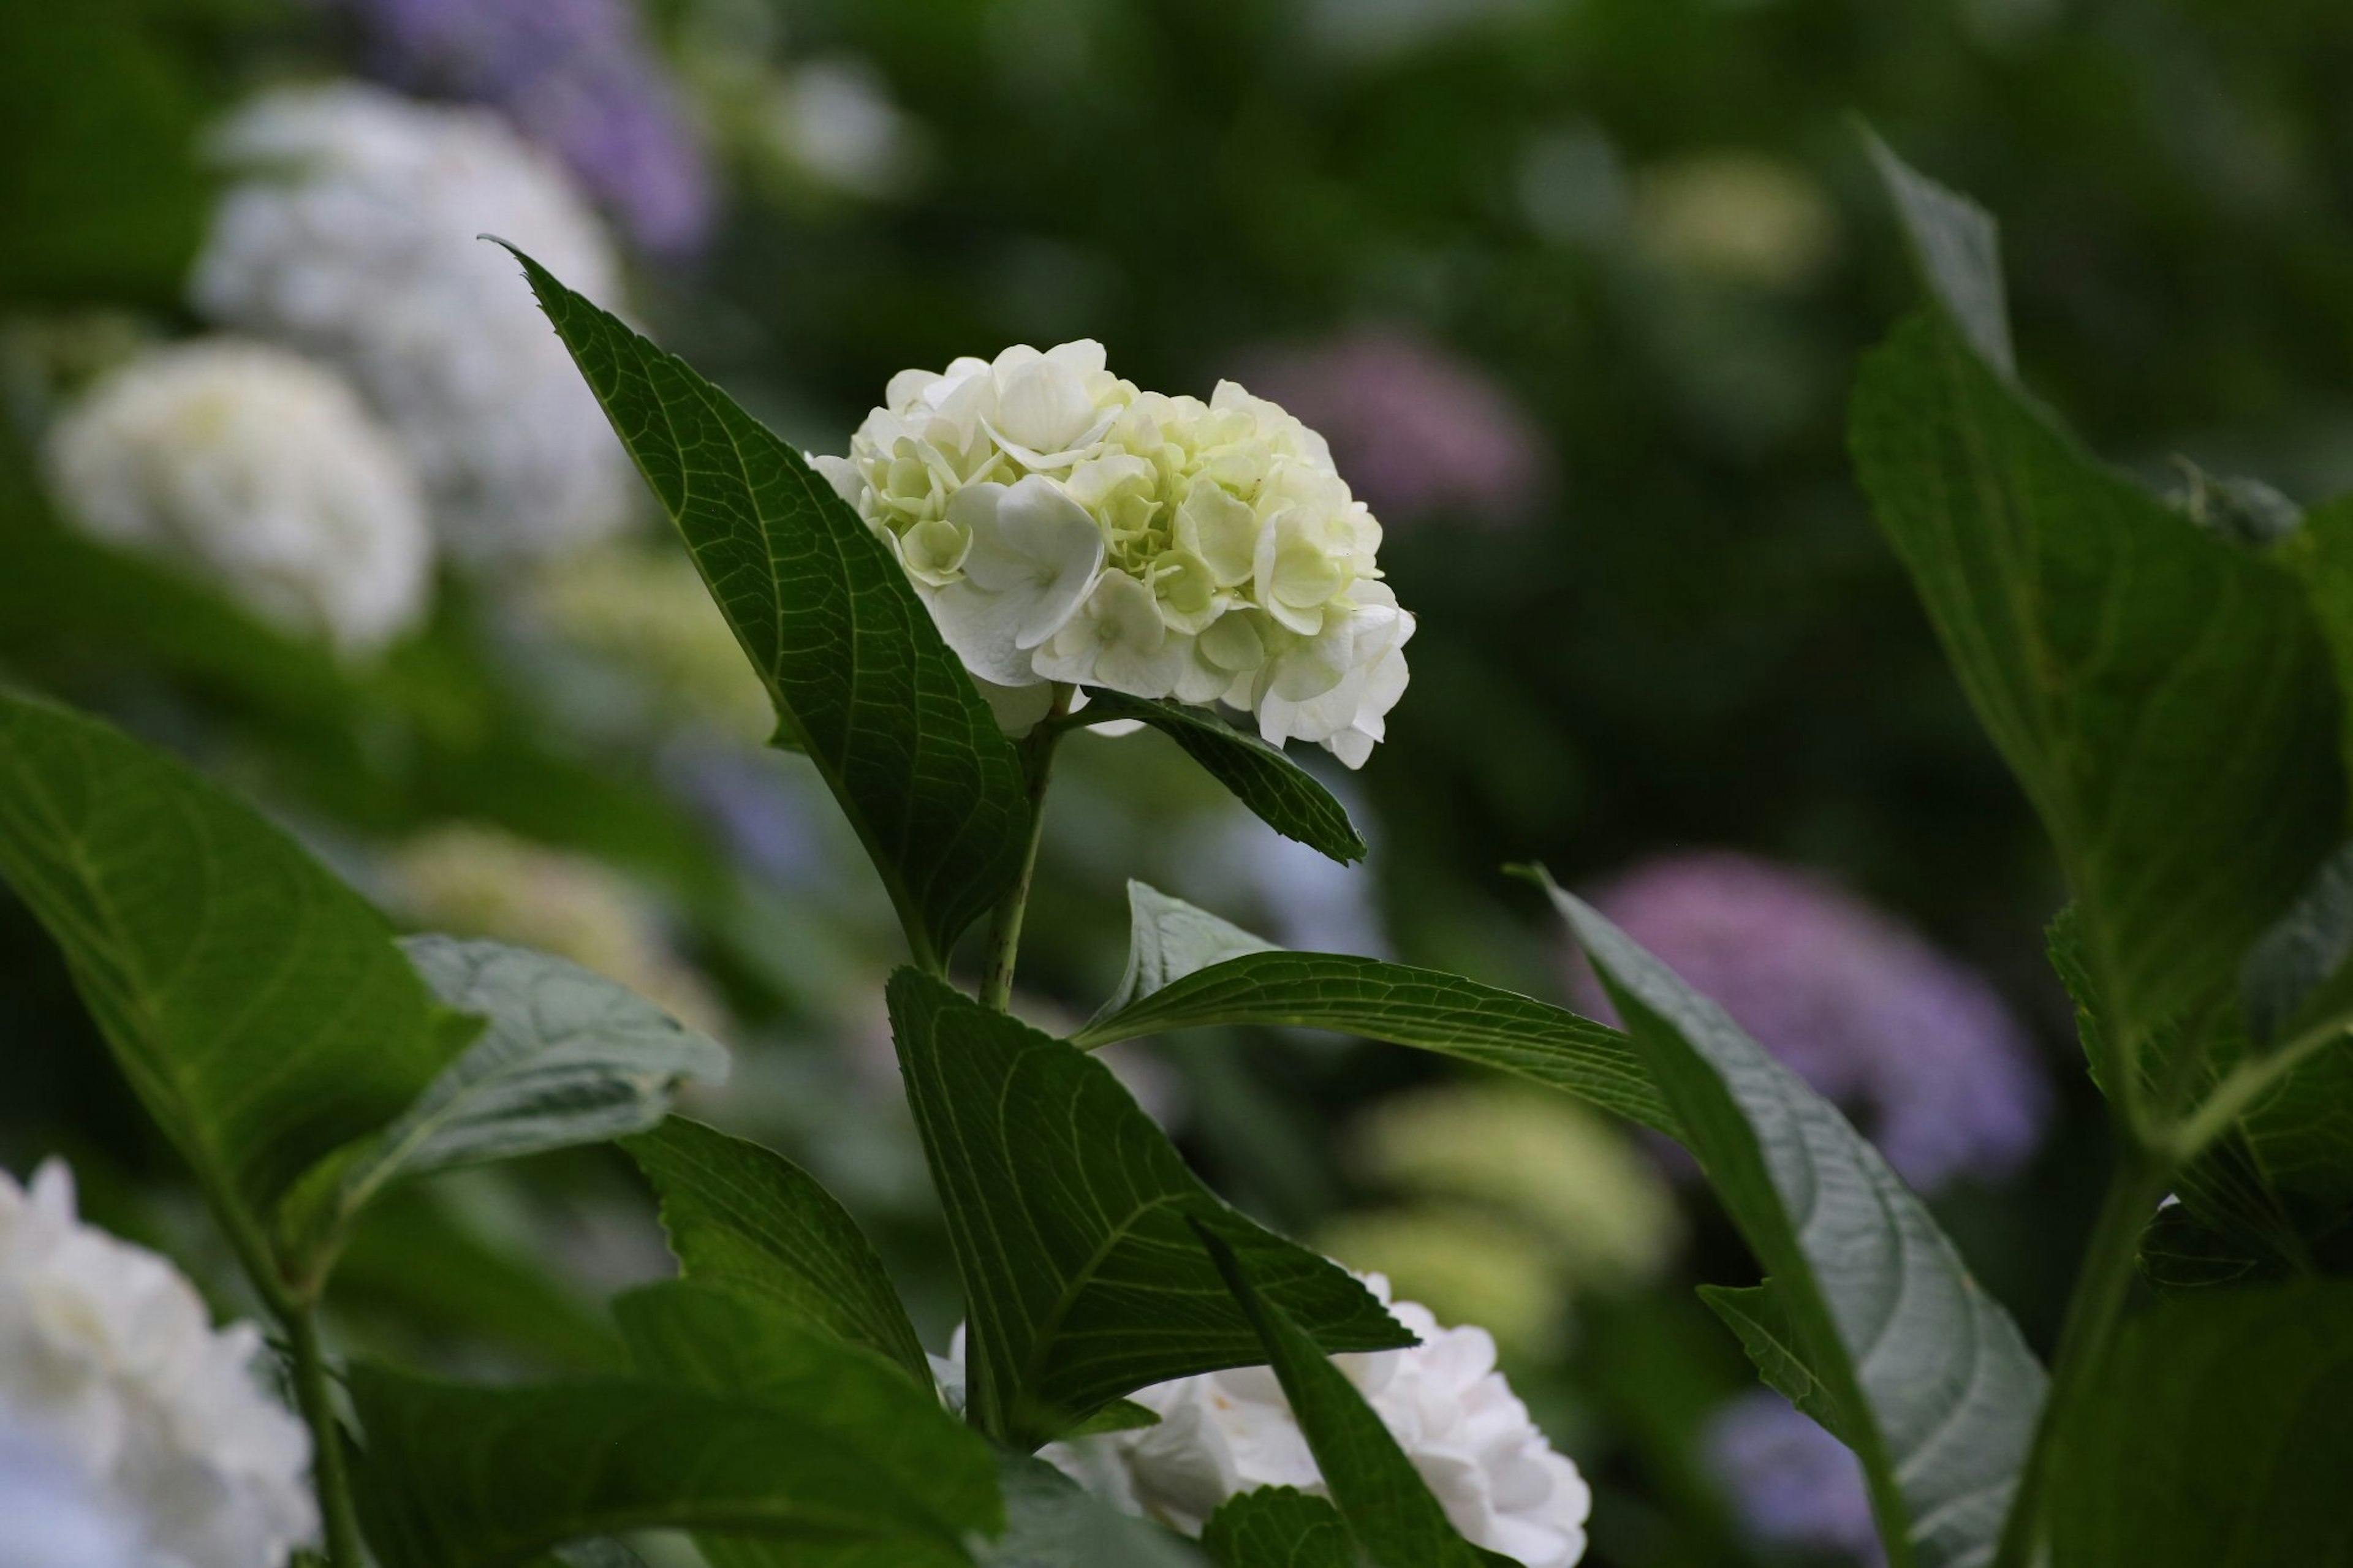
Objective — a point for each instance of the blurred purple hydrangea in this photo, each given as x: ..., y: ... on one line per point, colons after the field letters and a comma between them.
x: 1793, y: 1484
x: 1918, y: 1046
x: 1414, y: 428
x: 577, y: 76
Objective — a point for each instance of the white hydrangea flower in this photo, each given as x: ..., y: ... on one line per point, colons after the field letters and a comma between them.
x: 261, y: 471
x: 1229, y: 560
x: 1223, y: 1433
x: 109, y: 1363
x: 353, y: 233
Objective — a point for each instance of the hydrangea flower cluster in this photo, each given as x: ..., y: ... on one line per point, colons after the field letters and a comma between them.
x: 110, y: 1364
x: 1065, y: 527
x: 1863, y: 1009
x: 579, y: 77
x: 1457, y: 1419
x: 352, y: 233
x: 259, y: 471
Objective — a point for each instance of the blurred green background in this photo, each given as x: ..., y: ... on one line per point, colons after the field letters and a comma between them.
x: 1577, y: 288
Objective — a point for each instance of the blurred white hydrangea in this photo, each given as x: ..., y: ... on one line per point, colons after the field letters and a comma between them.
x: 1065, y: 527
x: 477, y: 881
x: 1452, y: 1412
x: 351, y: 233
x: 260, y: 472
x: 115, y: 1386
x: 1742, y: 216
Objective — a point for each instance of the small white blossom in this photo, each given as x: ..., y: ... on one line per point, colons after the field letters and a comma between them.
x: 1223, y: 1433
x: 259, y: 471
x: 1229, y: 561
x: 353, y: 233
x: 111, y: 1368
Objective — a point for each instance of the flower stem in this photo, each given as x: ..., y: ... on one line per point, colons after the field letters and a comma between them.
x: 330, y: 1469
x: 1005, y: 926
x: 2101, y: 1291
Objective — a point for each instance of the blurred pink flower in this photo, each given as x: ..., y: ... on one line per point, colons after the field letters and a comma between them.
x: 1415, y: 428
x: 1918, y: 1046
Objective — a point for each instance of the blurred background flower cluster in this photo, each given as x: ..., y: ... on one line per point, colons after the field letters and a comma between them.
x: 294, y: 481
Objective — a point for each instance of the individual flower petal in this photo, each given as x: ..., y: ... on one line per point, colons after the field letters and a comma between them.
x: 1117, y: 639
x: 1035, y: 555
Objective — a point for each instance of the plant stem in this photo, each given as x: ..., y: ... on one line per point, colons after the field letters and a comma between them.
x: 1005, y: 926
x: 2101, y: 1291
x: 329, y: 1472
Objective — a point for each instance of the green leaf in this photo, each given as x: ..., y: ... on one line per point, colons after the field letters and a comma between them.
x: 1424, y: 1008
x: 1053, y: 1523
x: 459, y: 1477
x: 2320, y: 554
x: 1168, y: 939
x: 567, y: 1058
x: 1386, y: 1504
x: 858, y: 671
x: 2162, y: 694
x: 750, y: 1348
x: 258, y: 1005
x: 747, y: 1220
x: 1867, y: 1295
x: 1119, y: 1415
x: 1957, y: 249
x: 2297, y: 976
x: 2220, y: 1435
x: 1759, y: 1315
x: 1069, y: 1217
x: 1278, y: 1527
x: 2178, y: 1252
x: 1285, y: 795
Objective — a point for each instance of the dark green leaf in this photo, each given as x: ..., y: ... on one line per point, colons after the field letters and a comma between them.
x: 1278, y: 1527
x: 1874, y: 1304
x: 459, y: 1477
x: 258, y: 1005
x: 2320, y: 554
x: 1070, y: 1216
x: 566, y: 1058
x: 1285, y: 795
x: 858, y: 671
x: 750, y: 1348
x: 1119, y: 1415
x: 2162, y: 695
x: 747, y: 1220
x: 2218, y: 1436
x: 1420, y: 1007
x: 1168, y: 939
x: 2178, y: 1252
x: 2296, y: 977
x: 1760, y: 1316
x: 1054, y: 1524
x: 1386, y: 1504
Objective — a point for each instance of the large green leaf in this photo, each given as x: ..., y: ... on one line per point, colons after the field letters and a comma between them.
x: 747, y: 1220
x: 2162, y: 694
x: 2220, y: 1435
x: 1070, y: 1216
x: 1278, y: 1527
x: 858, y: 671
x: 459, y: 1477
x: 751, y: 1348
x: 258, y: 1005
x: 1285, y: 795
x: 1928, y: 1377
x: 1424, y: 1008
x: 1387, y: 1506
x: 566, y: 1058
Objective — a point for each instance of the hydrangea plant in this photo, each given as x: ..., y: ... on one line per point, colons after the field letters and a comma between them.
x: 2169, y: 692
